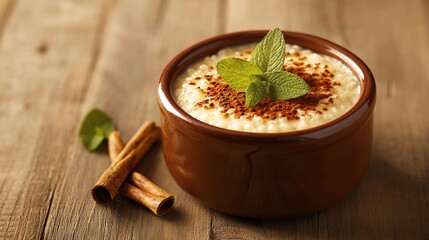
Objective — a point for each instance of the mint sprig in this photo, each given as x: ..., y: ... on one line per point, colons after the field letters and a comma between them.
x: 256, y: 90
x: 96, y: 127
x: 236, y: 72
x: 269, y: 54
x: 285, y: 85
x: 263, y: 74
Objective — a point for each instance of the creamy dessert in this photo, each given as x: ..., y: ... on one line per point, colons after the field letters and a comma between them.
x: 202, y: 93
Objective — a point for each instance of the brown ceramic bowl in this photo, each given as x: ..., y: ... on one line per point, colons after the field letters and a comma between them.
x: 267, y: 175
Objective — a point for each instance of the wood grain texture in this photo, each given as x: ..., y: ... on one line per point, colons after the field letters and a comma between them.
x: 124, y: 83
x: 39, y: 92
x: 59, y: 59
x: 6, y: 9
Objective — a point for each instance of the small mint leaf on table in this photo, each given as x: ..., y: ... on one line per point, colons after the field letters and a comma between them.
x: 236, y: 72
x: 285, y: 85
x: 255, y: 91
x: 96, y: 127
x: 269, y: 54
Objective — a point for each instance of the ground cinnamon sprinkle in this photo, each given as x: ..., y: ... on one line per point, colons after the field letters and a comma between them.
x: 218, y: 93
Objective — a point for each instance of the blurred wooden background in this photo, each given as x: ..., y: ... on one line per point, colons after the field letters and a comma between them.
x: 59, y: 59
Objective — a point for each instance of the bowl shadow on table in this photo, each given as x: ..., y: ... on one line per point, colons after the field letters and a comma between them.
x: 386, y: 203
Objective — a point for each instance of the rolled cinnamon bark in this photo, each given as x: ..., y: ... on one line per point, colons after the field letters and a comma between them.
x: 115, y: 145
x: 138, y: 187
x: 109, y: 183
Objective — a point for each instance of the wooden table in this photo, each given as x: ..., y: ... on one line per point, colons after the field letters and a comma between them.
x: 59, y: 59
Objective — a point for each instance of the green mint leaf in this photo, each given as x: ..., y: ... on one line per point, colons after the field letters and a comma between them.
x: 91, y: 143
x: 95, y: 128
x: 285, y: 85
x: 255, y: 91
x: 269, y: 54
x: 263, y: 74
x: 236, y: 71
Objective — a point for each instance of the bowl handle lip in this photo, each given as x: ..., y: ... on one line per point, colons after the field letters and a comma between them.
x: 362, y: 109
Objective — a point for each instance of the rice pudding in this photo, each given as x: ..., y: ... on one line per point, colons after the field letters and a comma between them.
x: 202, y: 93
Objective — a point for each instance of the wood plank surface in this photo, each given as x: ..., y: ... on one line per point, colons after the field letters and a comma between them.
x: 59, y: 59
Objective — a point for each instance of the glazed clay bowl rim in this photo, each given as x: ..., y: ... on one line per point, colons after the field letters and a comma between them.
x: 210, y: 46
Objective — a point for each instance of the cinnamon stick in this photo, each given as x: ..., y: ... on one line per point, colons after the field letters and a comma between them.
x: 138, y: 187
x: 109, y: 183
x: 115, y: 145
